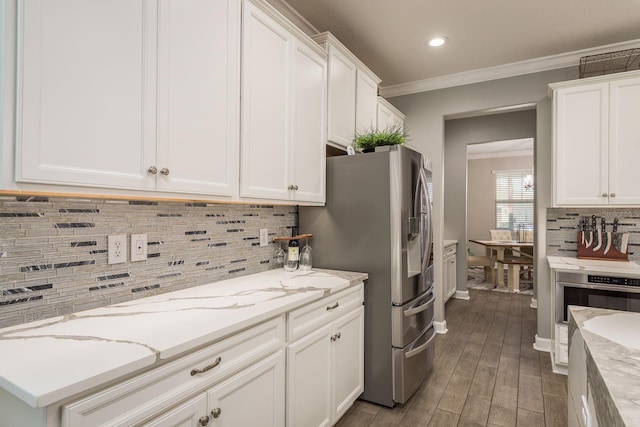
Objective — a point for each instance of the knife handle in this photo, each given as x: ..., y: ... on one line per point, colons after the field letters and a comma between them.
x: 603, y: 223
x: 615, y: 225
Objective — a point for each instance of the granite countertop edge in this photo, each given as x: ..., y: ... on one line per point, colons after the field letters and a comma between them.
x: 300, y: 288
x: 617, y: 365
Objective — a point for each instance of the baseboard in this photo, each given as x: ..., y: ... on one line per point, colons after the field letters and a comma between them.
x: 461, y: 295
x: 441, y: 327
x: 534, y: 303
x: 558, y: 369
x: 542, y: 344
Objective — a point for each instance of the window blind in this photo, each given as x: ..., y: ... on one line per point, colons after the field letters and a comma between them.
x: 514, y: 202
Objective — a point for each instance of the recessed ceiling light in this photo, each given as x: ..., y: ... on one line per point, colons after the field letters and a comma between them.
x: 438, y: 41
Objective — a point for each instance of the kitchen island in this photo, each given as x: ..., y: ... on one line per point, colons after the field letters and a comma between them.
x: 604, y: 367
x: 52, y: 362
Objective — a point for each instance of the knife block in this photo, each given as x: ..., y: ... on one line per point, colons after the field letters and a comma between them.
x: 613, y: 254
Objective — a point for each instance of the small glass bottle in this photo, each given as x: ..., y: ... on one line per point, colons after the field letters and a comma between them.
x: 292, y: 256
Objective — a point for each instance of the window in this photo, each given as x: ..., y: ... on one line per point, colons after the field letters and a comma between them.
x: 514, y: 199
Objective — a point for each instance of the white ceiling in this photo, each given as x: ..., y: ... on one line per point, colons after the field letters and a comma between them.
x: 508, y: 148
x: 390, y: 36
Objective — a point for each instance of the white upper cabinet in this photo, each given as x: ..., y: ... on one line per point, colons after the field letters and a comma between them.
x: 388, y: 115
x: 284, y: 110
x: 353, y: 90
x: 152, y: 105
x: 366, y: 101
x: 198, y: 104
x: 596, y: 141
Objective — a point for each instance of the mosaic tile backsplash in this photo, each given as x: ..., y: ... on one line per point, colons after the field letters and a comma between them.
x: 53, y: 251
x: 562, y: 228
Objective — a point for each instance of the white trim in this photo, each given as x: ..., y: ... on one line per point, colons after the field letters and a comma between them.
x: 534, y: 303
x: 558, y: 369
x: 291, y: 14
x: 536, y: 65
x: 462, y: 295
x: 495, y: 155
x: 543, y: 344
x: 441, y: 327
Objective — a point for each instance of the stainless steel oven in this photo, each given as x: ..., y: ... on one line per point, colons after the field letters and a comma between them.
x: 588, y: 290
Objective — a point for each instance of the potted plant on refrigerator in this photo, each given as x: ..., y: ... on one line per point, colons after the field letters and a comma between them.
x: 368, y: 139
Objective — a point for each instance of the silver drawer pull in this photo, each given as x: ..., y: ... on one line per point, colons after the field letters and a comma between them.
x: 336, y: 336
x: 216, y: 412
x: 207, y: 368
x: 420, y: 349
x: 204, y: 420
x: 333, y: 306
x: 164, y: 171
x: 420, y: 308
x: 152, y: 170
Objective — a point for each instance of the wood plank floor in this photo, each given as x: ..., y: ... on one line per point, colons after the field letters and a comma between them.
x: 486, y: 373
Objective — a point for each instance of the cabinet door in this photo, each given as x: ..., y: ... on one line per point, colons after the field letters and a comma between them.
x: 366, y: 102
x: 188, y: 414
x: 385, y: 116
x: 348, y: 361
x: 265, y: 107
x: 309, y: 379
x: 342, y: 98
x: 255, y: 397
x: 451, y: 276
x: 309, y: 124
x: 86, y: 102
x: 624, y: 142
x: 581, y: 145
x: 198, y: 96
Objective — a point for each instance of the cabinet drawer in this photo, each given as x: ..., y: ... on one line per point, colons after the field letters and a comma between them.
x: 310, y: 317
x: 449, y: 250
x: 140, y: 397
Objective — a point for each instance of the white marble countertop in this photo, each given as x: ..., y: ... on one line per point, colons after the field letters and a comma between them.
x: 620, y: 268
x: 49, y: 360
x: 450, y: 242
x: 612, y: 342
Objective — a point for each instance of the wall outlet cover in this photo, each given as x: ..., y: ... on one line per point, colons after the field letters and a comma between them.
x: 264, y: 237
x: 117, y: 248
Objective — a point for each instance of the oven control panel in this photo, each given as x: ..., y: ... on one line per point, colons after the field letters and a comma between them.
x: 609, y: 280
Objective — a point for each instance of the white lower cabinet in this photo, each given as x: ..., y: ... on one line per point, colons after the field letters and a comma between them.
x: 261, y: 386
x: 449, y: 270
x: 303, y: 368
x: 315, y: 398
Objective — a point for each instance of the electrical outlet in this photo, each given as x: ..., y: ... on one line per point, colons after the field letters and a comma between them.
x: 264, y: 237
x: 138, y: 247
x: 117, y: 248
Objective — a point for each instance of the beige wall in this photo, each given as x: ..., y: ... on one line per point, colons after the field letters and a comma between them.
x: 425, y: 119
x: 481, y: 195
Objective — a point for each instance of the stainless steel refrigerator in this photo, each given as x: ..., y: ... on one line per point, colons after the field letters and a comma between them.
x: 377, y: 220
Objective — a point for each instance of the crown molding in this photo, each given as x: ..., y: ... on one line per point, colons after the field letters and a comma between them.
x: 546, y: 63
x: 500, y: 154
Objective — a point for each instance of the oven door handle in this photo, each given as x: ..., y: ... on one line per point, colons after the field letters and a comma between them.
x: 420, y: 308
x: 420, y: 349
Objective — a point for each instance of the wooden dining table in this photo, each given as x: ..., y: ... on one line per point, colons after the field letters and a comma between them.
x: 495, y: 249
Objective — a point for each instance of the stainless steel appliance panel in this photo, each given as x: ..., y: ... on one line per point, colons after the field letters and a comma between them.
x: 367, y: 226
x: 412, y: 364
x: 411, y: 319
x: 612, y: 292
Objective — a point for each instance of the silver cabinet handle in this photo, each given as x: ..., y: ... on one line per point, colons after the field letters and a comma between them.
x: 338, y: 335
x: 612, y: 195
x: 420, y: 349
x: 333, y: 306
x: 296, y: 187
x: 604, y: 194
x: 152, y: 170
x: 206, y: 368
x: 216, y: 412
x: 204, y: 420
x: 164, y: 171
x: 292, y: 187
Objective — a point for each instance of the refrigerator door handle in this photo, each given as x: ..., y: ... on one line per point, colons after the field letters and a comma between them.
x: 425, y: 211
x: 420, y: 308
x: 420, y: 349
